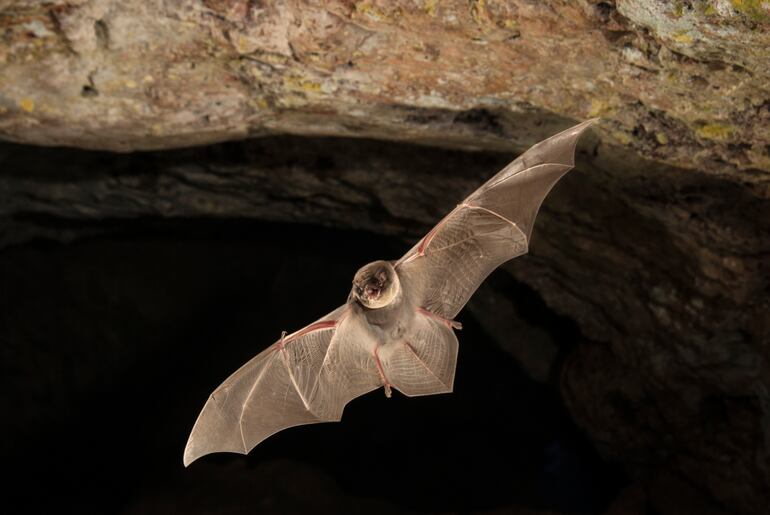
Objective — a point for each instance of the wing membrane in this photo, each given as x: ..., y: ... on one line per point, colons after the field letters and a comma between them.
x: 467, y: 247
x: 490, y: 227
x: 304, y: 378
x: 424, y: 363
x: 310, y: 375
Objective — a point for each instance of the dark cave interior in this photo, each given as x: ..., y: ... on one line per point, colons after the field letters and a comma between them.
x: 111, y: 345
x: 626, y: 350
x: 181, y: 181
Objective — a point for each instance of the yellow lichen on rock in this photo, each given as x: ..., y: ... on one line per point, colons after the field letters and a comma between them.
x: 259, y: 103
x: 430, y: 7
x: 478, y: 11
x: 366, y: 8
x: 302, y: 84
x: 598, y: 107
x: 27, y: 104
x: 715, y: 131
x: 622, y: 137
x: 756, y: 10
x: 682, y: 37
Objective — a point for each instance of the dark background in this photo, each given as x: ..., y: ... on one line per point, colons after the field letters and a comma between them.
x: 111, y: 344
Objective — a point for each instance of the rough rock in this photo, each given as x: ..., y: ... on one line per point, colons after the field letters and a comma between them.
x: 658, y: 246
x: 683, y: 82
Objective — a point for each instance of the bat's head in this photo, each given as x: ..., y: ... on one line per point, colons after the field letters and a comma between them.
x: 376, y: 285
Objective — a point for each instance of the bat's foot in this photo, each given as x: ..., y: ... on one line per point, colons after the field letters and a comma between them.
x: 381, y: 371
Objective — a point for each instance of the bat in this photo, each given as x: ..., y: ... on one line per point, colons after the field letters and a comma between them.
x: 396, y: 330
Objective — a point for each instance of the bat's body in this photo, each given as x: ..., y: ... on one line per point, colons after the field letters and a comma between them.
x: 396, y: 329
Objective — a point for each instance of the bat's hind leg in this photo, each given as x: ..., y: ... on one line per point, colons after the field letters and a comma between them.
x: 381, y: 371
x: 452, y: 324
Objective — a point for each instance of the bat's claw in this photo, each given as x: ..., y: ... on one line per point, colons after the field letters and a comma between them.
x: 282, y: 340
x: 388, y: 391
x: 454, y: 324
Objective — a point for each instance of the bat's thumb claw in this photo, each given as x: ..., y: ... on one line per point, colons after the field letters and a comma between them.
x: 454, y: 324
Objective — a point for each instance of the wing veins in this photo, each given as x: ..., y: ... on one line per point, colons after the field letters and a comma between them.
x: 290, y: 338
x: 323, y: 363
x: 339, y: 320
x: 245, y: 402
x: 315, y: 326
x: 424, y: 365
x: 294, y: 380
x: 471, y: 206
x: 494, y: 213
x: 426, y: 240
x: 491, y: 185
x: 433, y: 251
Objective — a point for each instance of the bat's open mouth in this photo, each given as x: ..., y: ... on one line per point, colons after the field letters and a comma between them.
x: 372, y: 292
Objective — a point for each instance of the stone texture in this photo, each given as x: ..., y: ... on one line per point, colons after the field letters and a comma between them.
x: 658, y: 246
x: 683, y: 82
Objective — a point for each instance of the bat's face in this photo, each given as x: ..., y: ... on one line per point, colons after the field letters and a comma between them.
x: 376, y: 285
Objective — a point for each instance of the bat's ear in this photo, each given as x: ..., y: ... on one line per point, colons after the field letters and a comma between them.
x: 517, y: 191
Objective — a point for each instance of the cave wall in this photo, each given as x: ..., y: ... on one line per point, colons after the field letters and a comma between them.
x: 657, y: 246
x: 684, y: 82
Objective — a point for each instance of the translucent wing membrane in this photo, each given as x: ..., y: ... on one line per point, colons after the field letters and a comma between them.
x: 304, y: 378
x: 309, y: 376
x: 424, y: 363
x: 490, y: 227
x: 466, y: 247
x: 348, y: 369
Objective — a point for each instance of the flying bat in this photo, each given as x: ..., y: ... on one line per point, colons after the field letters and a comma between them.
x: 396, y: 330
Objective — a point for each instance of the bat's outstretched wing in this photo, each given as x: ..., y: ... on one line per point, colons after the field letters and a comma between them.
x: 304, y: 378
x: 310, y: 375
x: 488, y: 228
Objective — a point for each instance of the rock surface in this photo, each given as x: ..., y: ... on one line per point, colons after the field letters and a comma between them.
x: 684, y: 82
x: 658, y: 246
